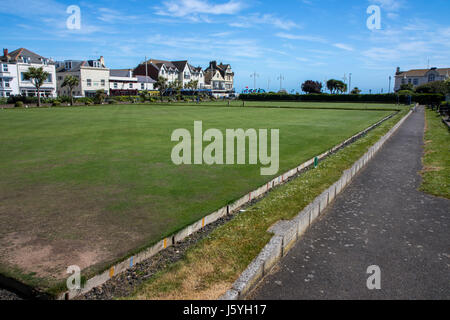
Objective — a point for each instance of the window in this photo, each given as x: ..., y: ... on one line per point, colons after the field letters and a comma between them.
x: 142, y: 86
x: 6, y: 83
x: 89, y: 82
x: 5, y: 68
x: 409, y: 80
x: 68, y: 65
x: 416, y: 82
x: 103, y: 82
x: 49, y: 79
x: 131, y: 86
x: 115, y: 85
x: 431, y: 78
x: 22, y: 77
x: 8, y: 94
x: 59, y: 78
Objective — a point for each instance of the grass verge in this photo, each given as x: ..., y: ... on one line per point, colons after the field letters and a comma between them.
x: 436, y: 160
x: 213, y: 264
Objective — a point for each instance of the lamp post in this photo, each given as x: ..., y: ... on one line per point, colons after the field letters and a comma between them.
x: 390, y: 78
x: 281, y: 78
x: 254, y: 76
x: 349, y: 82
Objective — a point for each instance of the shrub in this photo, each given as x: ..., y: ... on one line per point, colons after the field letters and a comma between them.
x: 88, y: 102
x: 18, y: 104
x: 432, y: 87
x: 99, y: 96
x: 3, y: 100
x: 56, y: 103
x: 381, y: 98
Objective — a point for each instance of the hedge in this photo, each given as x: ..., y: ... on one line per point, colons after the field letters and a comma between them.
x: 385, y: 98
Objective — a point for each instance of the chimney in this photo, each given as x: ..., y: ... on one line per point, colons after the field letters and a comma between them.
x: 5, y: 52
x: 213, y: 64
x: 398, y: 70
x: 102, y: 61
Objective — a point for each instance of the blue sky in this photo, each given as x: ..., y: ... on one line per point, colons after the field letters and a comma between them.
x: 299, y: 39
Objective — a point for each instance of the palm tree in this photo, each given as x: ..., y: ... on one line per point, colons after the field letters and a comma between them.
x: 37, y: 76
x: 161, y: 85
x: 177, y: 85
x: 71, y: 82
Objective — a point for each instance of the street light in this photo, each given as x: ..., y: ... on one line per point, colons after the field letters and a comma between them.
x: 349, y: 82
x: 281, y: 78
x: 254, y: 76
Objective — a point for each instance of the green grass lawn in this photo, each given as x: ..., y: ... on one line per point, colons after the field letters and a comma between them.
x: 87, y: 185
x: 436, y: 161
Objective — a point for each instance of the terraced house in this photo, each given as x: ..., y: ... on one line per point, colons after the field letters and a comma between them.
x: 93, y: 76
x: 172, y: 71
x: 417, y: 77
x: 13, y: 67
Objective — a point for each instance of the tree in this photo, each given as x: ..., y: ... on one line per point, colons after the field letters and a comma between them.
x: 336, y: 86
x: 99, y: 96
x: 447, y: 86
x: 356, y: 90
x: 161, y: 85
x: 71, y: 82
x: 176, y: 86
x: 331, y: 85
x: 340, y: 87
x: 432, y: 87
x: 407, y: 86
x: 310, y: 86
x: 37, y: 76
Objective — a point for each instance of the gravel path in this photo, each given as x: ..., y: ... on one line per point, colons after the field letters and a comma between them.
x: 380, y: 219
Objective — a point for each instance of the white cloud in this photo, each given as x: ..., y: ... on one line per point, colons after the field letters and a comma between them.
x: 114, y: 16
x: 389, y: 5
x: 266, y: 19
x: 300, y: 37
x: 343, y: 46
x: 186, y: 8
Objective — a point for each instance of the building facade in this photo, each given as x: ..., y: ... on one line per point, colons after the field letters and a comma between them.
x: 13, y: 67
x: 417, y: 77
x: 146, y: 83
x: 172, y: 71
x: 220, y: 79
x: 123, y: 83
x: 92, y: 74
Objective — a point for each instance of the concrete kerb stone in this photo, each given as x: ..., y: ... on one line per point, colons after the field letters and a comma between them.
x: 315, y: 210
x: 288, y: 231
x: 323, y: 200
x: 230, y: 295
x: 249, y: 277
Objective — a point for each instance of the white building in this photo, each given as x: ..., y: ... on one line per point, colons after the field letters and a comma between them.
x: 123, y: 83
x: 92, y: 74
x: 417, y: 77
x: 13, y: 67
x: 220, y: 79
x: 146, y: 83
x: 172, y: 71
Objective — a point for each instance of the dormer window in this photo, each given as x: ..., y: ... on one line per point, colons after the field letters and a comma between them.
x: 431, y: 78
x: 68, y: 65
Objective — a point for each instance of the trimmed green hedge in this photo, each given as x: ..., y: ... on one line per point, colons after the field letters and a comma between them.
x: 385, y: 98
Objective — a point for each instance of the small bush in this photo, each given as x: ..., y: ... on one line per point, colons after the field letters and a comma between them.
x: 56, y: 103
x: 18, y: 104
